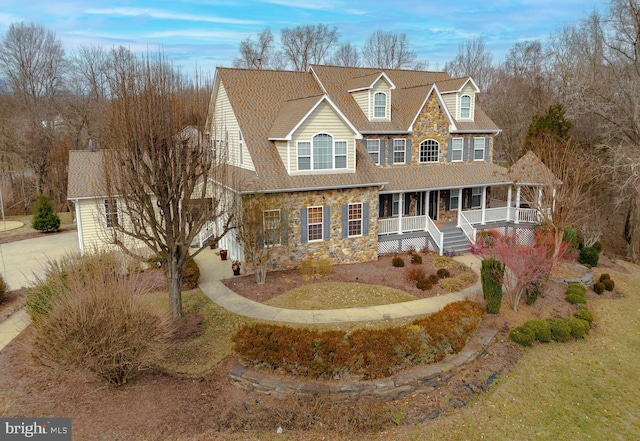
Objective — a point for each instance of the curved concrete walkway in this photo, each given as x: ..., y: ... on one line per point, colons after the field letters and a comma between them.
x: 213, y: 270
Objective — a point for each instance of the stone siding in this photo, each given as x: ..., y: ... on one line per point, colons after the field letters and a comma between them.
x: 431, y: 124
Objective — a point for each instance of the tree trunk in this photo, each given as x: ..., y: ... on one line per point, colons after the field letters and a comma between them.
x: 261, y: 276
x: 174, y: 279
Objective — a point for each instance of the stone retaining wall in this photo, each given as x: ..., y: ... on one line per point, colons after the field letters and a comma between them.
x: 420, y: 379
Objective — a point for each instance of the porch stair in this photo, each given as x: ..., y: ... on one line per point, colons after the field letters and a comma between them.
x: 454, y: 239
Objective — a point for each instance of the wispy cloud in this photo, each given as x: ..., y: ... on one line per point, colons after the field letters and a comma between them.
x: 168, y: 15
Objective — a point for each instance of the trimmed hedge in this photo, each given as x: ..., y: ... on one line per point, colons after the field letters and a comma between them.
x: 604, y: 276
x: 541, y: 329
x: 397, y: 262
x: 579, y: 327
x: 584, y: 314
x: 522, y: 335
x: 598, y: 287
x: 609, y: 284
x: 491, y: 274
x: 589, y: 256
x: 560, y: 329
x: 443, y: 273
x: 575, y: 299
x: 576, y: 288
x: 364, y: 353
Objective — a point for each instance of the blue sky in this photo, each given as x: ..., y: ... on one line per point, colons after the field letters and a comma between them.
x: 207, y: 33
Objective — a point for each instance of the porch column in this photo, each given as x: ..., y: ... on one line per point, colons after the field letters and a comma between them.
x: 484, y: 205
x: 539, y: 197
x: 400, y: 212
x: 509, y: 191
x: 459, y: 206
x: 553, y: 202
x: 517, y: 219
x: 426, y: 210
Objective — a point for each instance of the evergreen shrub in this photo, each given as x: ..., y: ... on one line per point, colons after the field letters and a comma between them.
x: 44, y: 218
x: 598, y: 287
x: 541, y: 329
x: 522, y: 335
x: 589, y: 256
x: 397, y: 262
x: 609, y: 284
x: 560, y: 329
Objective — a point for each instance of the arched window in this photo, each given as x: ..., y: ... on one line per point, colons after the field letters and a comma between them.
x: 322, y: 151
x: 380, y: 105
x: 465, y: 106
x: 429, y: 151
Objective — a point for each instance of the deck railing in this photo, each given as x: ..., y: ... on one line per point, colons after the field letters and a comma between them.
x: 467, y: 227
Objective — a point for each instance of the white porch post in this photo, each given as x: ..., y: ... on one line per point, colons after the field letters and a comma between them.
x: 553, y: 202
x: 459, y: 207
x: 484, y: 205
x: 517, y: 219
x: 509, y: 192
x: 400, y: 212
x: 428, y: 205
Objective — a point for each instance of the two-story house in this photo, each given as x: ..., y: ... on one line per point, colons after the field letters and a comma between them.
x: 369, y: 160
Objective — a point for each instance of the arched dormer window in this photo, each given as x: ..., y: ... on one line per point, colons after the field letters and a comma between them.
x: 322, y: 151
x: 465, y: 107
x: 429, y: 150
x: 380, y: 105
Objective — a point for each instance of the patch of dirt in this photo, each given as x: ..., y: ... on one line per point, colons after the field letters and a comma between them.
x: 189, y: 327
x: 379, y: 272
x: 12, y: 302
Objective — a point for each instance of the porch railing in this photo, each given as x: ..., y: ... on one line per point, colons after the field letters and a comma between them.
x: 205, y: 233
x: 436, y: 234
x: 467, y: 227
x: 411, y: 224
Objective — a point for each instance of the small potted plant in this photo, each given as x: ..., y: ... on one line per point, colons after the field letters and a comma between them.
x: 235, y: 266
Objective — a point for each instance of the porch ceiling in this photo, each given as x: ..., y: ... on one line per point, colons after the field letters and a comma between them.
x: 440, y: 176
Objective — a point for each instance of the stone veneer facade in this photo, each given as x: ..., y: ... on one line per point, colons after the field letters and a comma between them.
x: 336, y: 249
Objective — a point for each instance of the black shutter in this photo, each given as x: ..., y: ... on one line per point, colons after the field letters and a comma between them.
x: 465, y: 149
x: 326, y: 222
x: 486, y: 148
x: 408, y: 150
x: 382, y: 153
x: 447, y: 199
x: 365, y: 219
x: 304, y: 232
x: 345, y: 221
x: 449, y: 150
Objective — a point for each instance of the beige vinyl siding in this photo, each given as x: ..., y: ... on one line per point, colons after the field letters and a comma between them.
x: 469, y: 90
x: 362, y: 99
x: 324, y: 120
x: 225, y: 122
x: 380, y: 86
x: 451, y: 103
x: 282, y: 147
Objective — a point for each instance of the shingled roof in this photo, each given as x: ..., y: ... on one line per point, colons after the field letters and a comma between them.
x: 86, y: 175
x: 530, y: 170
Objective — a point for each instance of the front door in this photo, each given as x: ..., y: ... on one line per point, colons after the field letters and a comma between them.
x: 434, y: 197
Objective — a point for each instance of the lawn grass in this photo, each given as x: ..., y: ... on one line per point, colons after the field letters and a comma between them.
x: 335, y: 295
x: 66, y: 221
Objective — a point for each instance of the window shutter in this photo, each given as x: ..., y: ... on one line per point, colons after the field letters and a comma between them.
x: 487, y: 140
x: 326, y: 222
x: 449, y: 149
x: 447, y: 199
x: 304, y: 232
x: 389, y: 142
x: 284, y: 235
x: 365, y: 219
x: 382, y: 154
x: 408, y: 150
x: 465, y: 149
x: 345, y: 221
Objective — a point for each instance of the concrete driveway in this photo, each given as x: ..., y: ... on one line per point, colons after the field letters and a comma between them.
x: 20, y: 260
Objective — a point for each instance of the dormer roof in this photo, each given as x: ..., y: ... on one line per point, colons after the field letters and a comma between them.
x: 457, y: 85
x: 366, y: 82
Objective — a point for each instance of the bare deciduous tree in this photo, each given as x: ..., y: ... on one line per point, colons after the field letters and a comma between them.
x: 388, y: 50
x: 257, y: 54
x: 168, y: 183
x: 346, y: 55
x: 303, y: 46
x: 472, y: 60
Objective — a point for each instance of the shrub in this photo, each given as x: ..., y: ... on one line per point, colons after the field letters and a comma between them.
x: 532, y: 293
x: 576, y: 288
x: 604, y: 276
x: 324, y: 267
x: 522, y: 335
x: 415, y: 273
x: 94, y: 321
x: 305, y: 267
x: 416, y: 258
x: 443, y: 273
x: 575, y: 299
x: 598, y: 287
x: 584, y: 314
x: 560, y: 329
x: 434, y: 279
x: 491, y: 273
x: 598, y: 246
x: 589, y: 256
x: 3, y: 288
x: 191, y: 274
x: 579, y: 327
x: 397, y: 262
x: 570, y: 235
x: 45, y: 218
x: 424, y: 284
x: 541, y: 330
x: 609, y: 284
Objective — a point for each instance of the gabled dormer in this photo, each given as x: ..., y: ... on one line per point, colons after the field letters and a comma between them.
x: 373, y: 93
x: 459, y: 96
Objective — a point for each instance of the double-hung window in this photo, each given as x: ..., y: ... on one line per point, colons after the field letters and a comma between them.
x: 454, y: 198
x: 476, y: 197
x: 429, y: 151
x: 373, y: 147
x: 322, y: 151
x: 465, y: 107
x: 341, y: 154
x: 395, y: 204
x: 271, y: 227
x: 111, y: 212
x: 399, y: 151
x: 314, y: 223
x: 380, y: 105
x: 355, y: 219
x: 478, y: 149
x: 304, y: 155
x: 456, y: 149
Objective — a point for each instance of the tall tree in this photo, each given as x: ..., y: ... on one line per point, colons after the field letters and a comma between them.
x: 168, y: 185
x: 33, y: 64
x: 388, y: 50
x: 257, y: 54
x: 303, y: 46
x: 346, y: 55
x: 472, y: 60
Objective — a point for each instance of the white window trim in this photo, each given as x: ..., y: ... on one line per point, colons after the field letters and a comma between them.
x: 333, y: 153
x: 452, y: 206
x: 266, y: 228
x: 315, y: 223
x: 470, y: 107
x: 420, y: 152
x: 473, y: 190
x: 386, y: 101
x: 395, y: 199
x: 404, y: 151
x: 475, y: 148
x: 368, y: 151
x: 110, y: 213
x: 461, y: 149
x: 360, y: 219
